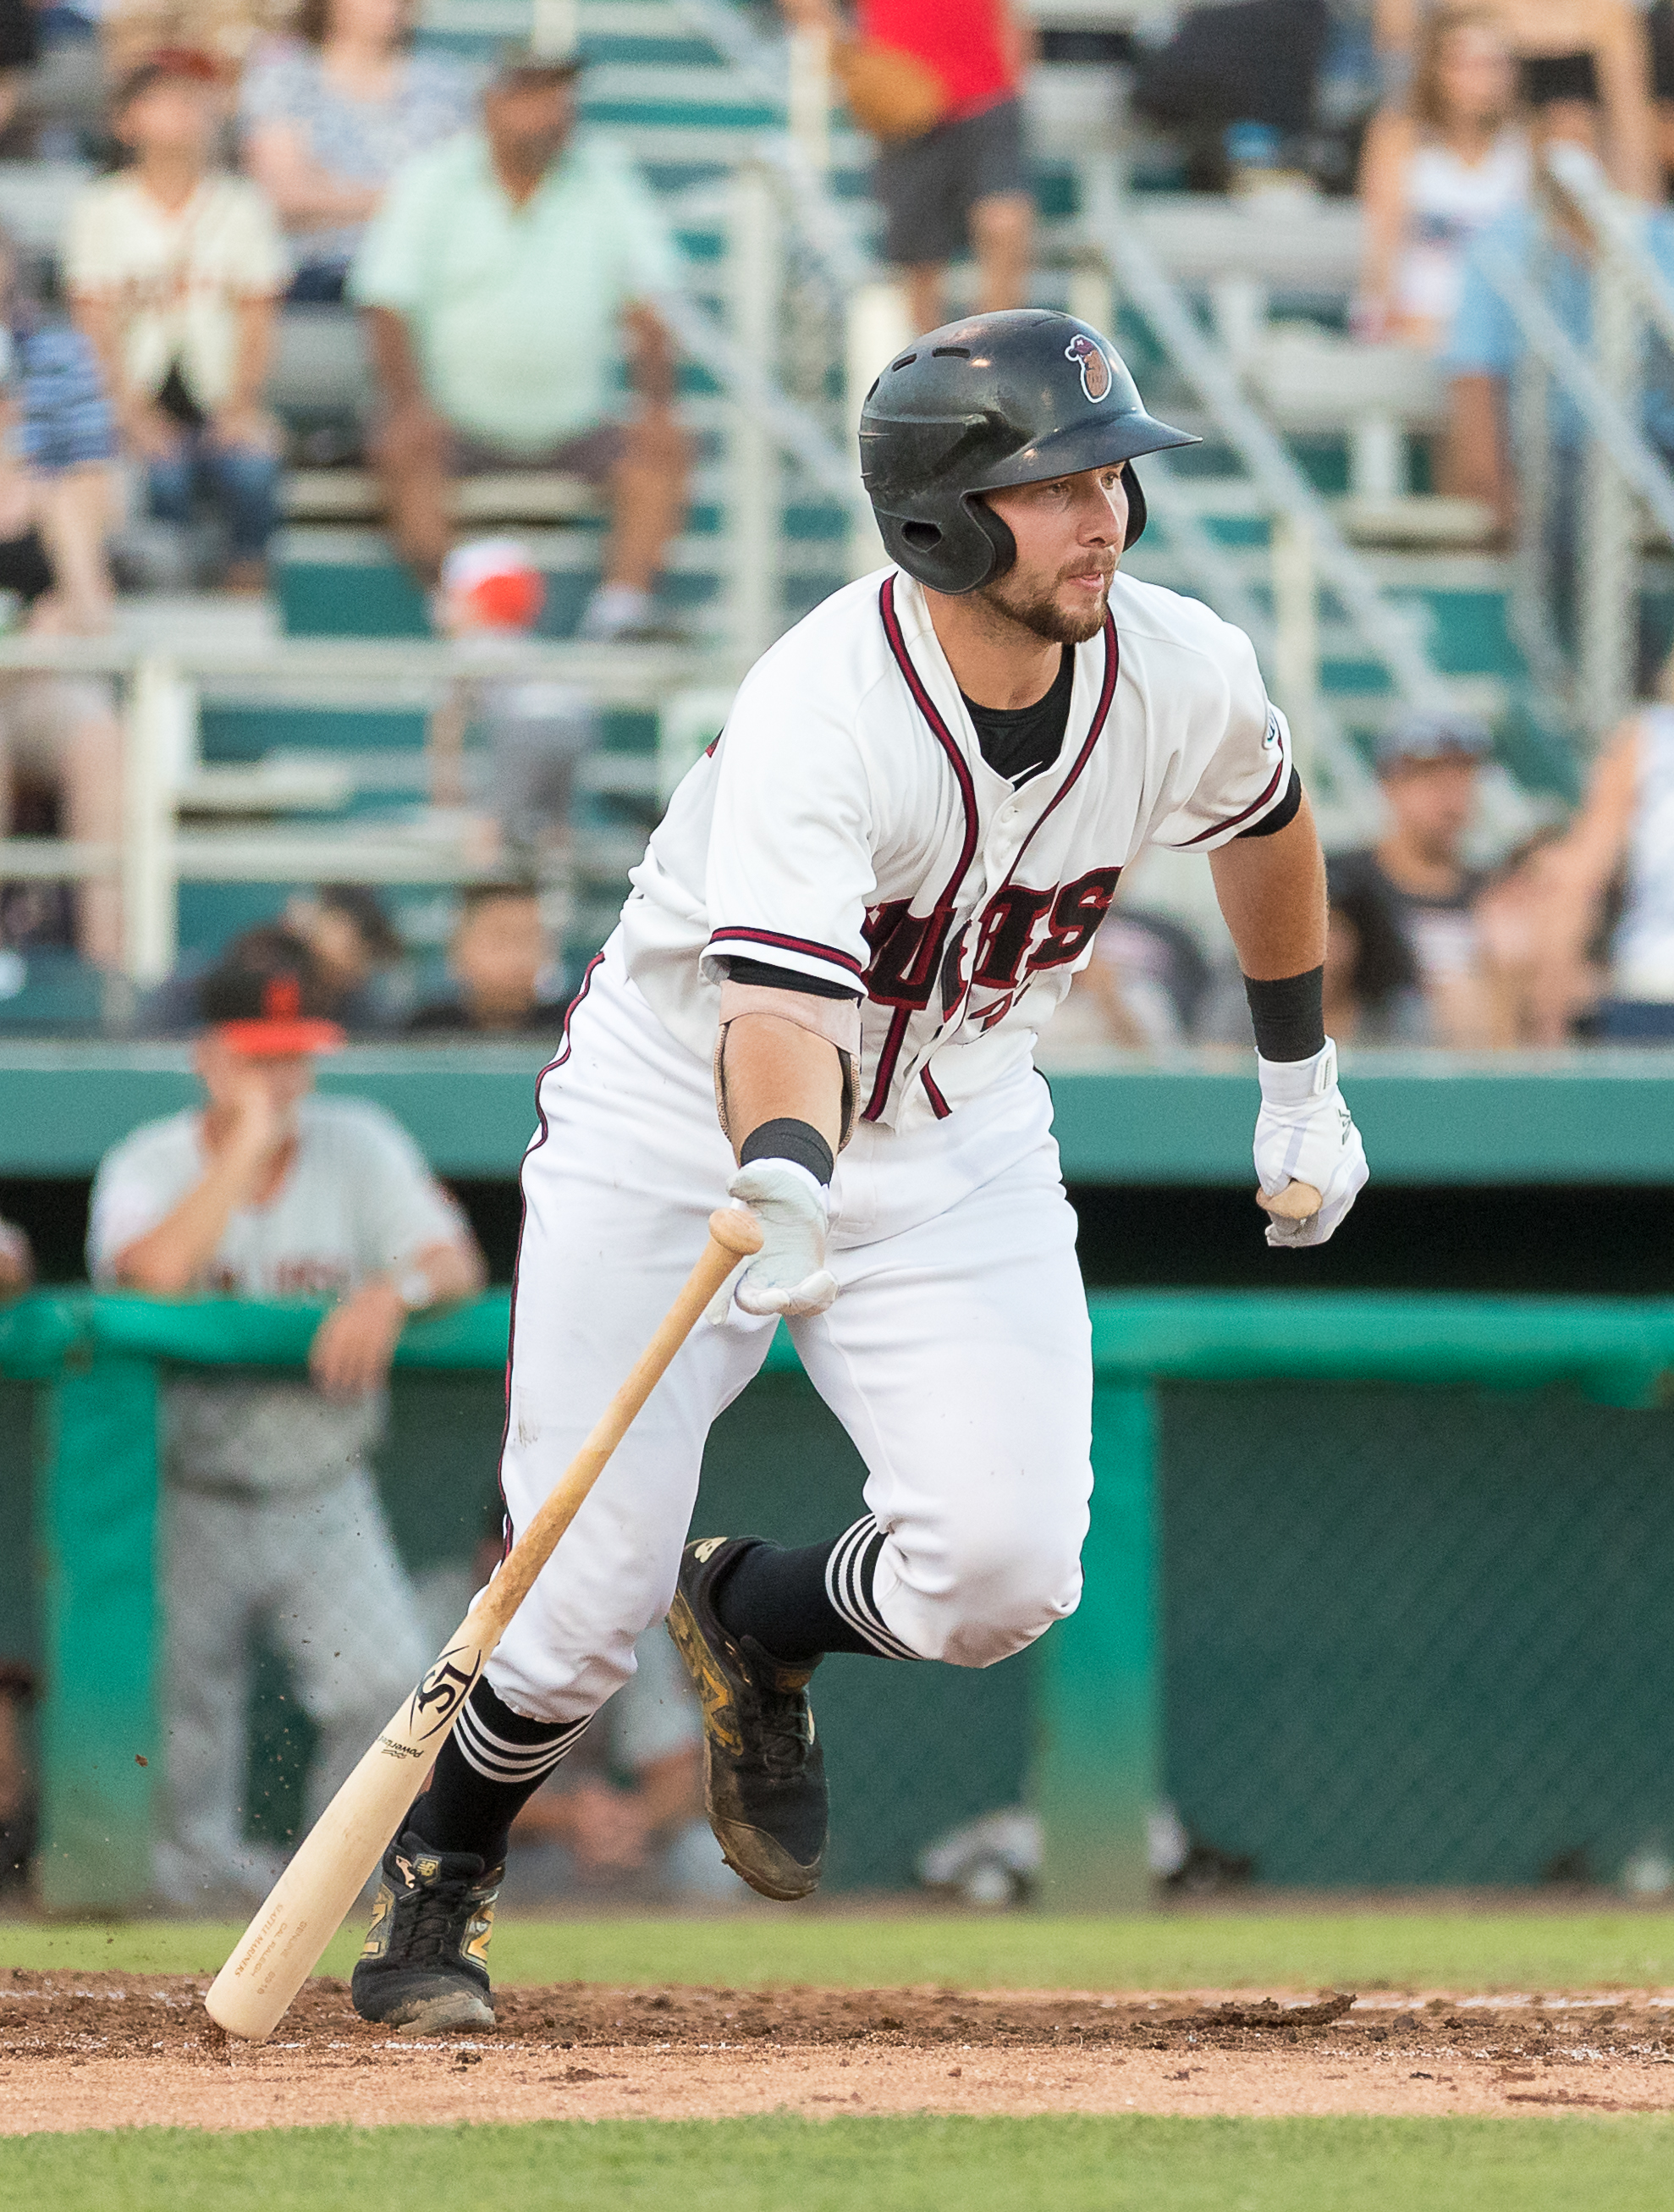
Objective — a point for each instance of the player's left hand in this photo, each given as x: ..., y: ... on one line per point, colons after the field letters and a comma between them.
x: 788, y: 1275
x: 353, y: 1347
x: 1306, y: 1134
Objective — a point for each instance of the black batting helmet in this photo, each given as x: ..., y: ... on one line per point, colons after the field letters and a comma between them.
x: 999, y: 399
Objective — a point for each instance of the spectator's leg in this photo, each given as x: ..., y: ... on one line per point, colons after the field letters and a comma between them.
x: 1002, y: 237
x: 647, y: 500
x: 75, y: 510
x: 412, y: 457
x: 209, y: 1546
x: 246, y: 480
x: 345, y: 1614
x: 926, y: 295
x: 72, y: 726
x: 169, y: 482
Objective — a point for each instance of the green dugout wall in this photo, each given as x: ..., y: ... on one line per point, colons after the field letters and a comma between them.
x: 1378, y: 1588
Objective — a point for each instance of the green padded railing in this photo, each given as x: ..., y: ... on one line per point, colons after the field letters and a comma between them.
x: 1097, y: 1762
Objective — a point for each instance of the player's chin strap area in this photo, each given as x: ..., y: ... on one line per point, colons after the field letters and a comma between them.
x: 836, y: 1020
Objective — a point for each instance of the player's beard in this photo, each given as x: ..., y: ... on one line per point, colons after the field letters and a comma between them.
x: 1036, y: 608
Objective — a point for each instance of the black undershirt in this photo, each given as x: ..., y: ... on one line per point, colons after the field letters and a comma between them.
x: 1020, y: 741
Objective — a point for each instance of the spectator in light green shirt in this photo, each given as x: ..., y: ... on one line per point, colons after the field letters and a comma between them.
x: 499, y: 278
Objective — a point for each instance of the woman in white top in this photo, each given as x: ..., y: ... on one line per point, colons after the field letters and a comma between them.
x: 1436, y: 172
x: 1624, y: 837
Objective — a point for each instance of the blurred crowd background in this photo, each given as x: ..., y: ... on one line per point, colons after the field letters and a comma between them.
x: 342, y: 259
x: 413, y: 419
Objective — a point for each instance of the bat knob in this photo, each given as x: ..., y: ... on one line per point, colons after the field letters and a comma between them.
x: 1297, y: 1202
x: 736, y: 1231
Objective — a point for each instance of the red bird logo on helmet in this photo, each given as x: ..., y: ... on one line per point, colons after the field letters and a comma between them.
x: 1095, y: 379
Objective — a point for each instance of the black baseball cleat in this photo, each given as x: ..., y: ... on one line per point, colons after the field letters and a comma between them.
x: 764, y: 1772
x: 424, y: 1965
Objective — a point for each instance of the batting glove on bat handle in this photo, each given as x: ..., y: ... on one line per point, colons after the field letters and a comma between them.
x: 1305, y: 1133
x: 788, y: 1275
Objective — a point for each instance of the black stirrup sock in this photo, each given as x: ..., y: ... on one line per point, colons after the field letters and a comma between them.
x: 485, y: 1774
x: 801, y: 1603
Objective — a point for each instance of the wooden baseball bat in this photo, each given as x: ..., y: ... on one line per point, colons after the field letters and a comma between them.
x: 1297, y: 1202
x: 306, y: 1905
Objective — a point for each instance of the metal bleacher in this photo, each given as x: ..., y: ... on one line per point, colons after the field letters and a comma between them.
x: 290, y: 743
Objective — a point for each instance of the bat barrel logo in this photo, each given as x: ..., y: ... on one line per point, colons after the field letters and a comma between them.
x: 1096, y: 377
x: 444, y: 1690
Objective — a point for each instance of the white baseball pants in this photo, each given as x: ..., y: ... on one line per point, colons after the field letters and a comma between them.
x: 956, y: 1356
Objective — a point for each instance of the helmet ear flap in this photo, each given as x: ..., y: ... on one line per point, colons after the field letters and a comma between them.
x: 971, y: 548
x: 1137, y: 515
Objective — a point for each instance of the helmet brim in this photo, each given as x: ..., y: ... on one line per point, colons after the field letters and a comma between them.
x: 1093, y: 444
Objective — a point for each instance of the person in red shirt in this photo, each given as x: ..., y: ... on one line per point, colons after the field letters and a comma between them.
x: 962, y: 182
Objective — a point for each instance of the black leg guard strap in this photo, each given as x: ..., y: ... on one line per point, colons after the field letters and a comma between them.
x: 485, y: 1774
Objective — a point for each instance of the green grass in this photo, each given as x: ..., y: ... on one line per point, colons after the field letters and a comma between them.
x: 1071, y: 2165
x: 1354, y: 1950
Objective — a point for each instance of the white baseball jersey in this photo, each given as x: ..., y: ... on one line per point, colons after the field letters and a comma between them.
x: 846, y: 825
x: 359, y: 1198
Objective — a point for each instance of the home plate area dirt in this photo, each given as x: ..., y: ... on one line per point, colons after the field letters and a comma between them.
x: 79, y: 2050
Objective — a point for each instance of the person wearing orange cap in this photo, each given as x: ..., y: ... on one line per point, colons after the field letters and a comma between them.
x: 272, y: 1522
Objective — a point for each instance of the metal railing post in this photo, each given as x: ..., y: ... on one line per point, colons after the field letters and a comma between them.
x: 1297, y: 634
x: 756, y: 283
x: 159, y: 738
x: 1607, y: 624
x: 878, y: 330
x: 808, y: 97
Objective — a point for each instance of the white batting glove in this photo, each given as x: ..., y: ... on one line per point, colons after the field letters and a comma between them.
x: 1306, y: 1134
x: 788, y: 1275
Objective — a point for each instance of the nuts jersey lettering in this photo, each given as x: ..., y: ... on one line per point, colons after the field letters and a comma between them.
x: 846, y: 825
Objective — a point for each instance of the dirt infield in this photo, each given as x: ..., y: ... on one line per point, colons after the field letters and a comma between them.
x: 79, y: 2050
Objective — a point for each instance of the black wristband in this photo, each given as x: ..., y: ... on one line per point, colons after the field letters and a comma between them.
x: 1288, y: 1016
x: 790, y: 1139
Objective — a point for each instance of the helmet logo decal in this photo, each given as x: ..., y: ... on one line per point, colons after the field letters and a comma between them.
x: 1096, y: 377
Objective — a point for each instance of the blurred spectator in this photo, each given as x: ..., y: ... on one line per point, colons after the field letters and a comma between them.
x: 352, y: 943
x: 356, y: 948
x: 1624, y: 837
x: 534, y: 729
x: 495, y: 275
x: 1141, y: 990
x: 174, y: 270
x: 20, y: 1817
x: 1226, y: 70
x: 19, y: 49
x: 1659, y: 28
x: 501, y: 959
x: 17, y: 1262
x: 1405, y: 962
x: 1435, y: 173
x: 271, y: 1521
x: 1486, y: 345
x: 57, y: 467
x: 961, y: 183
x: 329, y: 115
x: 625, y: 1810
x: 1589, y: 60
x: 61, y: 742
x: 132, y: 32
x: 1512, y: 914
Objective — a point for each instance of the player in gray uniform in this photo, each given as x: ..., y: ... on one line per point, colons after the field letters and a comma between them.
x: 272, y: 1520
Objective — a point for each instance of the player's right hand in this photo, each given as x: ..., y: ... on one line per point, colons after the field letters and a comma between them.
x: 788, y: 1275
x: 1306, y: 1134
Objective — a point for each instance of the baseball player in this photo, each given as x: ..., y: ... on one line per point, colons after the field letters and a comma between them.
x: 822, y: 999
x: 270, y: 1518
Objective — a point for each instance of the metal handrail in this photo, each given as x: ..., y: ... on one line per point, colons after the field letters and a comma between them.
x: 1608, y: 421
x: 1391, y: 635
x: 1618, y: 225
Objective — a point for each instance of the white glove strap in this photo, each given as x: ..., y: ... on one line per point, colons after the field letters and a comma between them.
x: 1287, y: 1083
